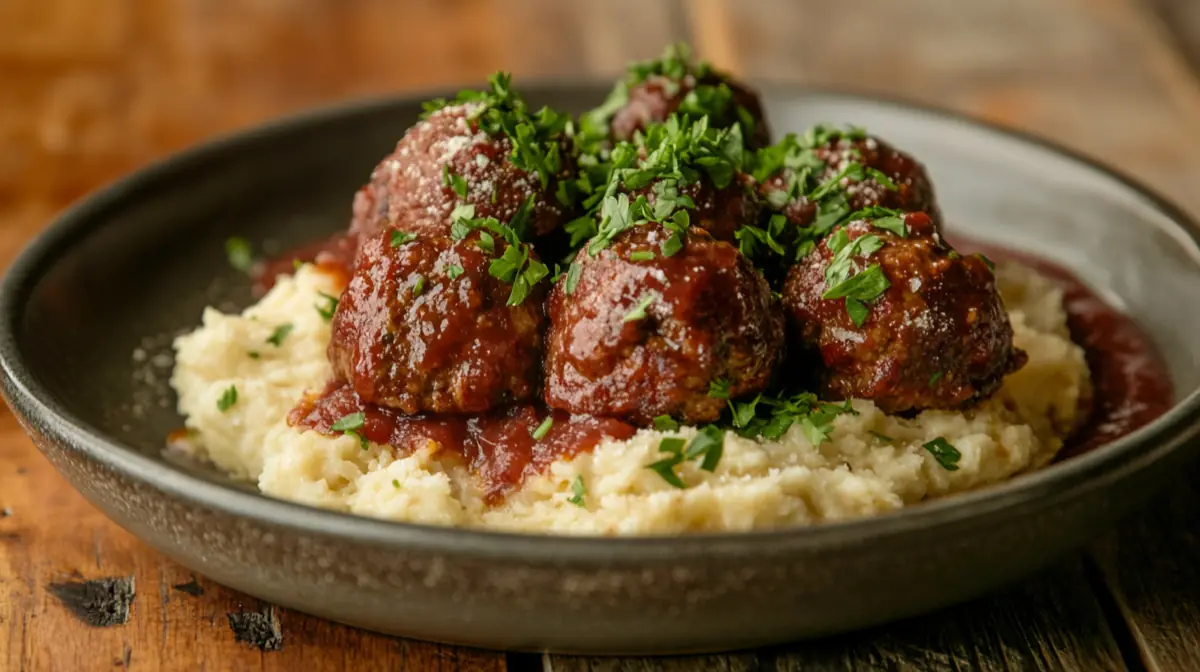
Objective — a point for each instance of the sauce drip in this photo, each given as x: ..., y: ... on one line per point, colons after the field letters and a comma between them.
x: 333, y: 255
x: 497, y: 447
x: 1131, y: 380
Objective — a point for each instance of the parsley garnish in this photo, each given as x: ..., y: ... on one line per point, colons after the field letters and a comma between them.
x: 281, y: 332
x: 254, y: 354
x: 401, y: 237
x: 771, y: 417
x: 330, y: 307
x: 228, y: 398
x: 666, y: 466
x: 237, y: 251
x: 395, y: 483
x: 708, y: 444
x: 933, y: 380
x: 572, y: 279
x: 535, y: 136
x: 641, y: 255
x: 350, y: 424
x: 418, y: 286
x: 351, y: 421
x: 718, y: 388
x: 639, y: 311
x: 864, y: 286
x: 991, y: 266
x: 665, y: 423
x: 578, y: 492
x: 454, y: 271
x: 945, y: 453
x: 857, y: 310
x: 517, y: 265
x: 543, y: 429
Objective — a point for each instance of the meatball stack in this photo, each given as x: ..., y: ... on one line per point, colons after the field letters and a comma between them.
x: 705, y: 265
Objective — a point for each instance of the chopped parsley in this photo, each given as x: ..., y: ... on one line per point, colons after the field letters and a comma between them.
x: 857, y: 310
x: 933, y: 380
x: 990, y: 264
x: 350, y: 425
x: 945, y: 453
x: 328, y: 306
x: 351, y: 421
x: 572, y: 279
x: 535, y: 136
x: 517, y: 265
x: 864, y: 286
x: 281, y: 332
x: 639, y: 311
x: 543, y: 429
x: 254, y: 354
x: 402, y: 237
x: 708, y: 446
x: 770, y: 417
x: 395, y: 483
x: 578, y: 492
x: 237, y: 251
x: 419, y: 286
x: 718, y: 388
x: 665, y: 423
x: 641, y: 255
x: 228, y: 398
x: 454, y: 271
x: 665, y: 467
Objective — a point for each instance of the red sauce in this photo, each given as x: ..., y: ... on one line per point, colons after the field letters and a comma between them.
x: 334, y: 255
x: 497, y: 447
x: 1131, y: 380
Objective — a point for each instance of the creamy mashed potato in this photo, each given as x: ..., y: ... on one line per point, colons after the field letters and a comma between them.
x: 872, y: 463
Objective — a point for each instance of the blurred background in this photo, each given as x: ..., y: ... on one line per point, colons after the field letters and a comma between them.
x: 91, y: 89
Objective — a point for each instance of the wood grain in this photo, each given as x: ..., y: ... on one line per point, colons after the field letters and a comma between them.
x: 1051, y: 622
x: 1152, y: 566
x: 92, y: 90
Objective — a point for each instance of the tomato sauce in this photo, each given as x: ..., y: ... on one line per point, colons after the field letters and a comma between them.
x: 1131, y: 380
x: 501, y: 448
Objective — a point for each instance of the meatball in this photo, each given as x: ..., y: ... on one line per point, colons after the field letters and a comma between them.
x: 447, y: 160
x: 699, y: 92
x: 904, y: 321
x: 718, y: 210
x: 423, y: 326
x: 910, y: 189
x: 635, y: 334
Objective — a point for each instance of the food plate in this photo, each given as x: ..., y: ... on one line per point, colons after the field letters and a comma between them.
x: 133, y: 266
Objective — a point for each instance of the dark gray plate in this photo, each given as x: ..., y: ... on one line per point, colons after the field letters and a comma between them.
x: 137, y: 262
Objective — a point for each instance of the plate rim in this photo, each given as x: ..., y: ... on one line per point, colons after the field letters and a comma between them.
x: 1039, y: 489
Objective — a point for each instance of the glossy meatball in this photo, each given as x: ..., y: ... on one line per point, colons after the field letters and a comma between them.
x: 423, y: 326
x: 923, y: 327
x: 724, y: 100
x: 910, y: 191
x: 720, y: 211
x: 444, y: 161
x: 637, y: 335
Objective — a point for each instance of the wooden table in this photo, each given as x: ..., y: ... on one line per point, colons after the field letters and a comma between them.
x: 91, y: 89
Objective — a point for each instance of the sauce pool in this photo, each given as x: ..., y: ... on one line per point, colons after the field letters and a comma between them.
x: 1132, y: 385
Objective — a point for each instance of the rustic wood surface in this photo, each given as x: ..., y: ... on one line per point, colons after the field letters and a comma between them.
x: 90, y: 90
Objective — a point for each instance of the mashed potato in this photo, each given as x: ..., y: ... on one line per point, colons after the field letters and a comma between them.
x: 872, y: 463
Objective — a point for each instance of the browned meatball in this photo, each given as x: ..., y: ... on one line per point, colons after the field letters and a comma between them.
x: 922, y: 327
x: 423, y: 326
x: 910, y: 189
x: 720, y: 211
x: 635, y: 334
x: 447, y: 160
x: 724, y: 100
